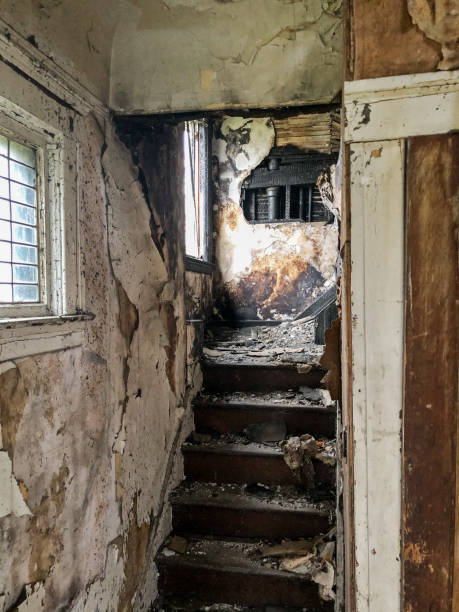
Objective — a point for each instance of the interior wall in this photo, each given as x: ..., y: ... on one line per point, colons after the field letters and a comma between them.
x: 91, y: 434
x: 230, y: 48
x: 264, y: 270
x: 77, y: 36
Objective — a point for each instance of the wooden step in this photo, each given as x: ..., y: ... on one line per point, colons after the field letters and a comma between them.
x: 219, y: 376
x: 232, y: 512
x: 244, y: 463
x: 214, y: 571
x: 235, y: 416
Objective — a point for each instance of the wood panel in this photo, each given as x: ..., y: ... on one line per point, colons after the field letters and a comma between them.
x: 431, y: 366
x: 384, y: 41
x: 315, y: 131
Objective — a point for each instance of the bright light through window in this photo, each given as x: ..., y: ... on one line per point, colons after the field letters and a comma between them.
x: 19, y: 262
x: 195, y: 151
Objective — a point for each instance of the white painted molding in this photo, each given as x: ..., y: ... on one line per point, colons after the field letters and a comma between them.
x: 377, y: 314
x: 396, y: 107
x: 20, y: 53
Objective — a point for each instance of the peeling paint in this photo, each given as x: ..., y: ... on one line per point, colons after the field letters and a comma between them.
x: 272, y: 270
x: 90, y: 434
x: 231, y: 47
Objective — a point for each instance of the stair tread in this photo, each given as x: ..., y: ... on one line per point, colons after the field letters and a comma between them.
x: 228, y: 557
x: 269, y: 405
x: 285, y: 499
x: 233, y: 448
x: 256, y: 362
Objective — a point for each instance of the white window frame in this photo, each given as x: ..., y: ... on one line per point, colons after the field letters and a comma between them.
x: 23, y: 127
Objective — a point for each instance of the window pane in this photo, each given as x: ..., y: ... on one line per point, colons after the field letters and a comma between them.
x: 22, y: 233
x: 23, y: 154
x: 5, y: 251
x: 5, y: 273
x: 4, y: 188
x: 23, y: 214
x: 23, y: 194
x: 18, y: 224
x: 3, y: 166
x: 25, y: 274
x: 5, y: 293
x: 5, y: 233
x: 4, y: 209
x: 3, y: 145
x: 23, y: 174
x: 25, y: 293
x: 24, y: 254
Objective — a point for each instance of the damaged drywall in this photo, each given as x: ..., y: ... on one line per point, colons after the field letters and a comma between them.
x: 266, y: 271
x: 230, y: 49
x: 91, y: 435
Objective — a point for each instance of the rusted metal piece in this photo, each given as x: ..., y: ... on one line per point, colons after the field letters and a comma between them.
x: 231, y: 377
x: 431, y: 366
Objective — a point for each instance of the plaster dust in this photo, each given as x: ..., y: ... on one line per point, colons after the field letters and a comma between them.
x: 271, y: 270
x: 91, y: 435
x: 230, y: 48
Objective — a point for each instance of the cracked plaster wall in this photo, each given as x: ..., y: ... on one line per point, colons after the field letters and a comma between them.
x: 177, y: 55
x: 90, y: 435
x: 267, y: 271
x: 77, y: 36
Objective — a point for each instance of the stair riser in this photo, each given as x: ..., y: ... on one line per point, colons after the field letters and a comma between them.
x: 258, y: 378
x: 201, y: 586
x: 234, y: 419
x: 240, y: 469
x: 242, y: 523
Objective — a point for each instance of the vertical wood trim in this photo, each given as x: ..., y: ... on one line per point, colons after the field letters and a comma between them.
x: 346, y: 369
x: 456, y: 545
x: 377, y: 208
x: 431, y: 366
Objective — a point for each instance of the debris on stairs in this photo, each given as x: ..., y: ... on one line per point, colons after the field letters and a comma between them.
x: 253, y: 522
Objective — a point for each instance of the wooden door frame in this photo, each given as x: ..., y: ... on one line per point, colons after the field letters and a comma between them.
x: 379, y: 112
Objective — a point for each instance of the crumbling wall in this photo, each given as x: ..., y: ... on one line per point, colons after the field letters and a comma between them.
x: 267, y: 271
x: 91, y: 435
x: 239, y: 53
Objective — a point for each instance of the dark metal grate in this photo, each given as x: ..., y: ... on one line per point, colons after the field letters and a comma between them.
x: 283, y: 188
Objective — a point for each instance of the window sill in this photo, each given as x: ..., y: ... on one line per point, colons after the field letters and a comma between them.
x: 23, y: 337
x: 192, y: 264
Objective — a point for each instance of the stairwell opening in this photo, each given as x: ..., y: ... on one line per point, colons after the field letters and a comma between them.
x: 256, y: 521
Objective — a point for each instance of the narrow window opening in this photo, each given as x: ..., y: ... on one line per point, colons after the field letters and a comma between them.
x: 196, y: 191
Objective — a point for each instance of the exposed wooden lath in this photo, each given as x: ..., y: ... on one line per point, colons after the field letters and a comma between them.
x: 318, y: 132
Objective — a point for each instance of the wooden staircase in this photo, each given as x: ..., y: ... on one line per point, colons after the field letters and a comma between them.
x: 240, y: 494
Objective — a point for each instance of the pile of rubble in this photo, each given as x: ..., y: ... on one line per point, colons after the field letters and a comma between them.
x: 291, y: 341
